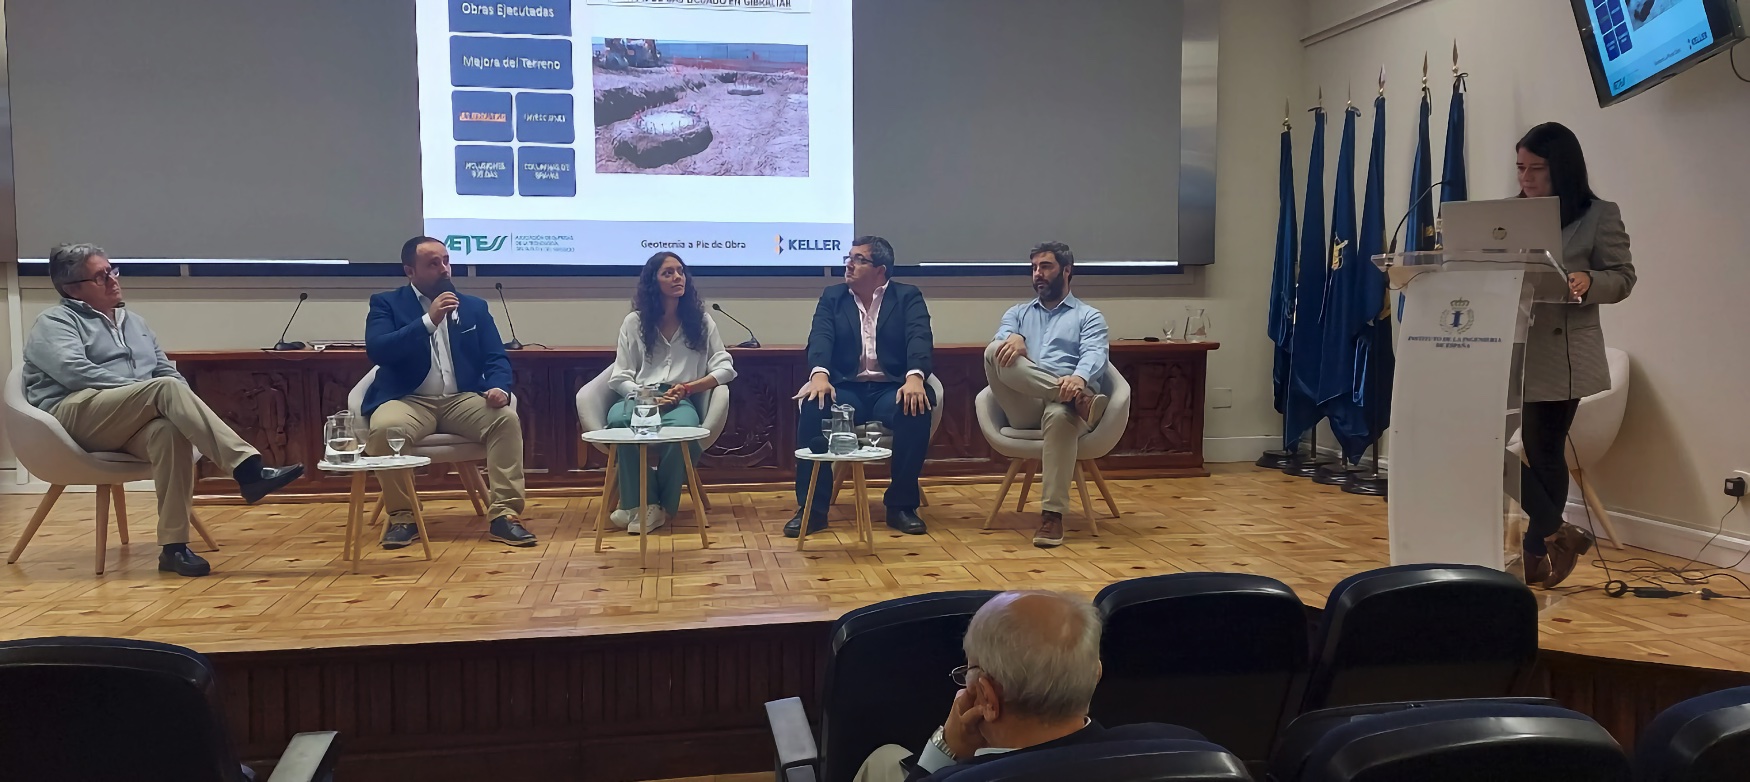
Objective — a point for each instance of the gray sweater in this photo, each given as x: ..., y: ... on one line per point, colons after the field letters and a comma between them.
x: 73, y: 347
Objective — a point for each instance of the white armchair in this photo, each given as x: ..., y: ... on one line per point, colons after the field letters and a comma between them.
x: 456, y: 451
x: 46, y: 450
x: 1596, y: 424
x: 596, y: 398
x: 1024, y: 447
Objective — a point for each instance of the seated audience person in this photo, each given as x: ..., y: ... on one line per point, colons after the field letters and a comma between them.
x: 667, y: 341
x: 1045, y: 367
x: 442, y: 368
x: 98, y: 369
x: 1032, y: 661
x: 871, y: 348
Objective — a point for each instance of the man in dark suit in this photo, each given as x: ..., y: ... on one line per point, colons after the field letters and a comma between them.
x: 870, y: 348
x: 1033, y: 660
x: 442, y: 368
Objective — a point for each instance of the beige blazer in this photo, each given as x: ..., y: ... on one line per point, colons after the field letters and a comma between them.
x: 1564, y: 347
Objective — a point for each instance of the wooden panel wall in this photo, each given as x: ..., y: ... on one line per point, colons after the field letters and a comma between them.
x: 278, y: 402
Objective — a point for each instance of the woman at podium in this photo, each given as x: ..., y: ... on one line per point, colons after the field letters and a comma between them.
x: 1564, y: 348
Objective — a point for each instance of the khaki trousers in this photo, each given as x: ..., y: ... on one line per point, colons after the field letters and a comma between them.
x: 1028, y: 396
x: 465, y: 415
x: 157, y: 420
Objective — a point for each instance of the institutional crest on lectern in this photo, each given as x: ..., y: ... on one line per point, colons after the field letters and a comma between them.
x: 1458, y: 317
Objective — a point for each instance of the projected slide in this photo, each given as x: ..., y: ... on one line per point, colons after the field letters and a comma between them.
x: 1640, y: 38
x: 597, y: 132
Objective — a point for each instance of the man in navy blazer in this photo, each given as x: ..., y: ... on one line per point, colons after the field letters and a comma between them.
x: 870, y: 348
x: 442, y: 368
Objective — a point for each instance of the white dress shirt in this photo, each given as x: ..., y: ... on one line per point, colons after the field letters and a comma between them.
x: 672, y: 362
x: 441, y: 380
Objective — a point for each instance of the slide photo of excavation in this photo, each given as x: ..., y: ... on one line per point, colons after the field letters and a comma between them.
x: 704, y: 109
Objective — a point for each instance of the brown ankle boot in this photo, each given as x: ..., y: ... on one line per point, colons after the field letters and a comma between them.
x: 1566, y: 547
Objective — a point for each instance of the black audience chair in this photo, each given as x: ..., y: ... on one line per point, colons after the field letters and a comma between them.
x: 1306, y: 731
x: 1220, y: 653
x: 1703, y: 739
x: 119, y: 710
x: 887, y: 682
x: 1158, y: 760
x: 1497, y: 740
x: 1422, y: 632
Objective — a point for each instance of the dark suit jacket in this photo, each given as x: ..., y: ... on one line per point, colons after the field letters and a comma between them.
x: 903, y: 341
x: 397, y: 342
x: 1094, y: 733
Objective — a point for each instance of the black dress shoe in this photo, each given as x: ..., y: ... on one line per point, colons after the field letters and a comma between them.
x: 905, y: 521
x: 268, y: 480
x: 183, y: 562
x: 793, y: 527
x: 400, y: 535
x: 509, y: 531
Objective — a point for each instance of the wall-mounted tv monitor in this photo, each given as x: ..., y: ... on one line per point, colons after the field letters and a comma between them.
x: 1633, y: 45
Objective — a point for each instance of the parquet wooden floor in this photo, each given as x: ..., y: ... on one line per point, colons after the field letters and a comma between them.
x: 278, y: 583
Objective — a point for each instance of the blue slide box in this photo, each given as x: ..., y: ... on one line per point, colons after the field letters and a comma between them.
x: 521, y: 17
x: 510, y: 63
x: 547, y: 171
x: 485, y: 170
x: 481, y: 116
x: 545, y: 118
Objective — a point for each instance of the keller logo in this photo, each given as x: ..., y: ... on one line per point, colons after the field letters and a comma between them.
x: 1458, y: 317
x: 468, y: 245
x: 807, y: 245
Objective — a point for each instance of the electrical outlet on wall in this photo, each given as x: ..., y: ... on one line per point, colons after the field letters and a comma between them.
x: 1221, y: 398
x: 1737, y: 483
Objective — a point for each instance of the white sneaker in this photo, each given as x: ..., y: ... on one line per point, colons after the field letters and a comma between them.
x: 622, y: 518
x: 654, y: 518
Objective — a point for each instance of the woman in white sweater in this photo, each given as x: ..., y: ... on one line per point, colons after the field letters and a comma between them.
x: 669, y: 342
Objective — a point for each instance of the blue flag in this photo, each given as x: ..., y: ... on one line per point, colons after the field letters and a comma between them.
x: 1309, y: 292
x: 1344, y: 313
x: 1419, y: 223
x: 1456, y: 187
x: 1281, y: 326
x: 1419, y: 228
x: 1358, y: 408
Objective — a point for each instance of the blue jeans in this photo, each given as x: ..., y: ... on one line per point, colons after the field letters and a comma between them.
x: 671, y: 472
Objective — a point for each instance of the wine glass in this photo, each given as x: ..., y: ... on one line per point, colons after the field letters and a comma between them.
x: 1170, y: 330
x: 395, y: 444
x: 875, y: 438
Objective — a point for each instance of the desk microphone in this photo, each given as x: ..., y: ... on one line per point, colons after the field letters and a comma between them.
x: 1392, y: 249
x: 283, y: 344
x: 752, y: 341
x: 514, y: 343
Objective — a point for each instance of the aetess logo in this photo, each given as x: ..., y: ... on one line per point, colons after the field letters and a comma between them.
x: 813, y: 245
x: 466, y: 245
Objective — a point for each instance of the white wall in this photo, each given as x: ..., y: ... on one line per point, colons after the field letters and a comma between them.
x: 1677, y: 159
x: 1259, y: 65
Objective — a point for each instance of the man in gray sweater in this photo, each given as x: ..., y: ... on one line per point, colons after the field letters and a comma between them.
x: 99, y: 371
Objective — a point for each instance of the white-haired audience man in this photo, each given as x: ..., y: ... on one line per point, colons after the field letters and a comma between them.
x: 1033, y: 659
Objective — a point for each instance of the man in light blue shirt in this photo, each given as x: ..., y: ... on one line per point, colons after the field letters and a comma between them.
x: 1047, y: 367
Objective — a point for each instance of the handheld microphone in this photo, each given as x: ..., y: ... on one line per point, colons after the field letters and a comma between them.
x: 817, y: 445
x: 446, y: 285
x: 751, y: 342
x: 282, y: 344
x: 514, y: 343
x: 1393, y: 248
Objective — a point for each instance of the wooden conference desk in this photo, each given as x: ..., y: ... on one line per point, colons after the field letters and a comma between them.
x: 278, y: 401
